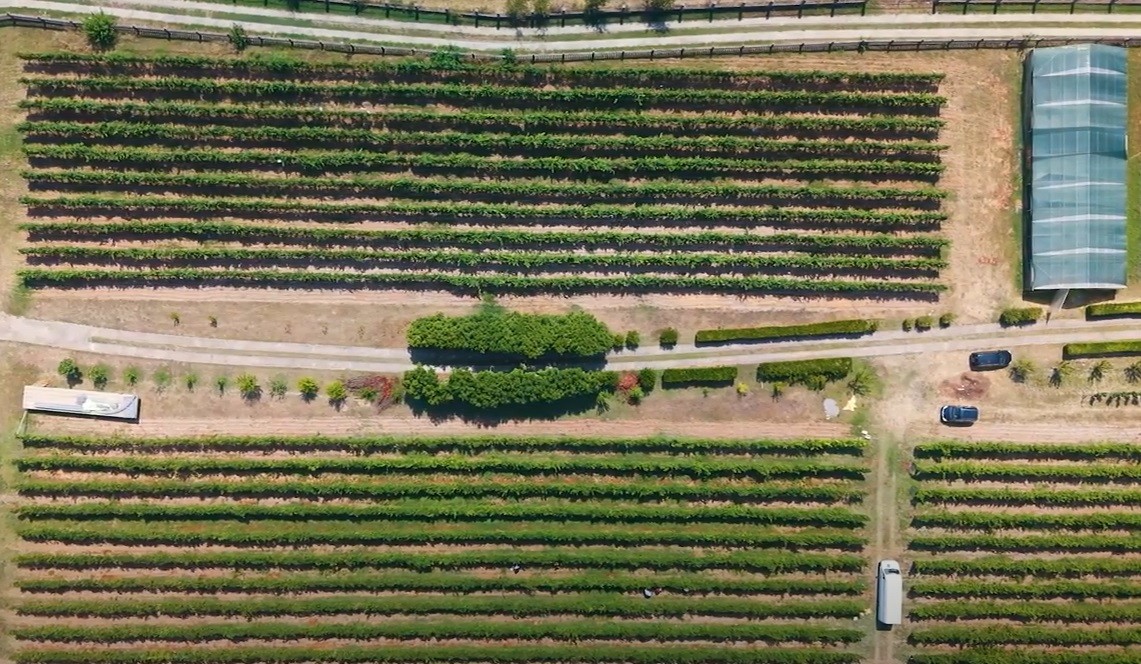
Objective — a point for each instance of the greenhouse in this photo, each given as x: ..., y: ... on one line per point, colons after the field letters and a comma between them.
x: 1075, y: 102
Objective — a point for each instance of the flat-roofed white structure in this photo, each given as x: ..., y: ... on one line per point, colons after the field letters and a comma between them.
x: 81, y: 402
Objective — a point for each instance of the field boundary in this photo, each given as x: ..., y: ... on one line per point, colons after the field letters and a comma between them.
x: 770, y: 48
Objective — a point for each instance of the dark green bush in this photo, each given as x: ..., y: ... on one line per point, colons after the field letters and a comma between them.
x: 1019, y: 316
x: 667, y: 338
x: 647, y: 380
x: 1113, y: 309
x: 1102, y: 349
x: 499, y: 389
x: 811, y: 373
x: 831, y: 328
x: 513, y: 335
x: 708, y: 376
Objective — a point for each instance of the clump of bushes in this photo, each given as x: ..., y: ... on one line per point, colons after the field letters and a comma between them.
x: 1019, y: 316
x: 813, y: 374
x: 514, y: 336
x: 706, y: 376
x: 667, y: 338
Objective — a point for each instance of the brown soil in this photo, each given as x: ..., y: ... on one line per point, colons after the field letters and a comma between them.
x: 968, y: 385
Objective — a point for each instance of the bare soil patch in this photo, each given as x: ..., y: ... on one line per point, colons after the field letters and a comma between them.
x: 968, y: 385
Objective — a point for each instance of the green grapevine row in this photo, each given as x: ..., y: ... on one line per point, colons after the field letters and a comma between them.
x: 911, y: 245
x: 580, y: 167
x: 474, y: 284
x: 1053, y: 496
x: 1023, y: 567
x: 454, y: 445
x: 633, y: 123
x: 1004, y: 450
x: 441, y: 259
x: 612, y: 559
x: 244, y: 184
x: 118, y: 133
x: 1013, y: 521
x: 399, y: 487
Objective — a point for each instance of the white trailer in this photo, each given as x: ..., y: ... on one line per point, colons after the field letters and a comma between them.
x: 889, y: 593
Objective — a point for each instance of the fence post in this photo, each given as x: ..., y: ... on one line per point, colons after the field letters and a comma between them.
x: 833, y: 13
x: 1111, y: 4
x: 800, y: 9
x: 934, y: 6
x: 966, y: 5
x: 1073, y: 3
x: 1034, y: 8
x: 326, y: 6
x: 995, y: 6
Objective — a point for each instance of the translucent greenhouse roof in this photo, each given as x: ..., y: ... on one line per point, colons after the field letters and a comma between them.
x: 1076, y: 130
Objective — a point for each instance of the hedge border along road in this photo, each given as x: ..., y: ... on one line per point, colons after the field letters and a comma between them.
x: 801, y: 371
x: 1102, y: 349
x: 490, y: 146
x: 1047, y: 561
x: 496, y: 334
x: 707, y: 376
x: 1110, y: 309
x: 830, y: 328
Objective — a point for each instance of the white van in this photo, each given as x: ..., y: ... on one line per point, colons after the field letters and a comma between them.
x: 889, y: 593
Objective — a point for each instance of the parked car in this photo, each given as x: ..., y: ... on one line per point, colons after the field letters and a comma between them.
x: 889, y: 595
x: 965, y: 415
x: 990, y: 359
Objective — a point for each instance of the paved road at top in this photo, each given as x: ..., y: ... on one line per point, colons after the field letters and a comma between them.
x: 320, y: 357
x: 880, y: 26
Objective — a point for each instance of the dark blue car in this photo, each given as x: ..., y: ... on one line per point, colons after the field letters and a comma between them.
x: 990, y: 359
x: 963, y: 415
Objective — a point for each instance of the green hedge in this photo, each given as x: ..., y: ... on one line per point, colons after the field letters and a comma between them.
x: 710, y: 376
x: 804, y: 371
x: 512, y: 334
x: 1019, y: 316
x: 1102, y: 349
x: 1113, y: 309
x: 502, y: 389
x: 838, y: 327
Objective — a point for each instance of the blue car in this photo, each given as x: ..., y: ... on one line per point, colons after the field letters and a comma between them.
x: 960, y: 415
x: 990, y: 359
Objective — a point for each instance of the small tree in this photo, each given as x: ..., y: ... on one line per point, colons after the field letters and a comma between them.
x: 647, y: 380
x: 221, y: 383
x: 213, y: 321
x: 239, y: 40
x: 924, y: 323
x: 336, y: 392
x: 907, y: 324
x: 359, y: 5
x: 633, y: 339
x: 742, y: 389
x: 162, y: 379
x: 516, y: 11
x: 293, y: 5
x: 70, y: 371
x: 101, y: 32
x: 861, y: 382
x: 1097, y: 372
x: 1061, y: 373
x: 667, y: 338
x: 946, y: 320
x: 1022, y: 371
x: 132, y: 375
x: 657, y: 7
x: 778, y: 389
x: 100, y: 375
x: 278, y: 387
x: 619, y: 342
x: 308, y: 388
x: 190, y: 380
x: 635, y: 395
x: 1133, y: 372
x: 175, y: 318
x: 248, y: 387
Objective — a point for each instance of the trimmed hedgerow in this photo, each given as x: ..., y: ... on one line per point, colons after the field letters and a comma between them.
x: 831, y: 328
x: 805, y: 371
x: 509, y: 334
x: 706, y: 376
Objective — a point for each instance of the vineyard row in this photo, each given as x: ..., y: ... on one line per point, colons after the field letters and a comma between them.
x: 911, y: 245
x: 579, y: 167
